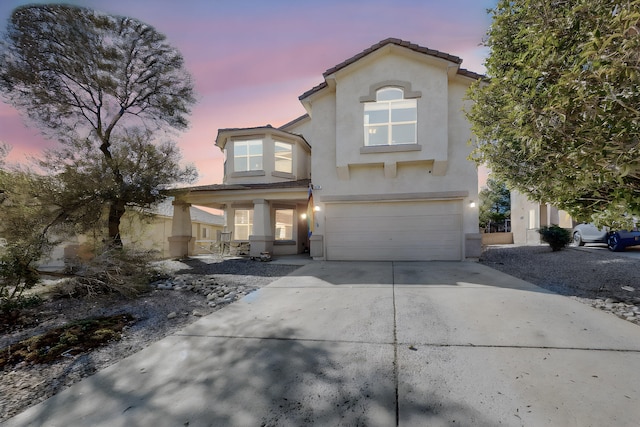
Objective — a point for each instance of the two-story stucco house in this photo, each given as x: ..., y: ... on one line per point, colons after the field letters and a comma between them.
x: 384, y: 149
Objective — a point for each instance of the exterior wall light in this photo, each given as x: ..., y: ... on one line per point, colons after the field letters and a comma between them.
x: 316, y: 208
x: 303, y: 216
x: 472, y: 204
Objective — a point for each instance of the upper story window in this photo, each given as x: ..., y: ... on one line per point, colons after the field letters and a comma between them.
x: 283, y: 157
x: 247, y: 155
x: 391, y: 119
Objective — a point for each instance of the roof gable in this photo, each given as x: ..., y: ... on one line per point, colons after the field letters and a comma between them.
x: 391, y: 41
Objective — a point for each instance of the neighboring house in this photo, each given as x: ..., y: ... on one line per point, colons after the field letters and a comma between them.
x: 384, y: 148
x: 527, y: 217
x: 152, y: 232
x: 148, y: 232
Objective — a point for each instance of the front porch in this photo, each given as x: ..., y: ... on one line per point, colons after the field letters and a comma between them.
x: 259, y: 218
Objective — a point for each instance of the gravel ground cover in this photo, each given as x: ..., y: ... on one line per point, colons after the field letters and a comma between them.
x: 193, y: 288
x: 603, y: 279
x: 200, y: 286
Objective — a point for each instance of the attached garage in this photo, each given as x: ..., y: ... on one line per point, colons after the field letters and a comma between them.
x: 394, y: 230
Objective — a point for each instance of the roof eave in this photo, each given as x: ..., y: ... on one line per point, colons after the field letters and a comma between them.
x: 307, y: 97
x: 224, y: 134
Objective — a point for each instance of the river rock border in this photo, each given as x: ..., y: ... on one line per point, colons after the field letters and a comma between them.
x: 217, y: 294
x: 624, y: 310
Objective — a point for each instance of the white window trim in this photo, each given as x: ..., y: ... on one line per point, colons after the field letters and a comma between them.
x: 249, y: 225
x: 276, y: 156
x: 292, y: 225
x: 248, y: 156
x: 389, y: 107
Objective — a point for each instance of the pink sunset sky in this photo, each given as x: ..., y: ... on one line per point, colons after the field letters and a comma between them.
x: 252, y: 59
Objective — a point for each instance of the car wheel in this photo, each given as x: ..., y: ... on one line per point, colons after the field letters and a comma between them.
x: 577, y: 239
x: 614, y: 243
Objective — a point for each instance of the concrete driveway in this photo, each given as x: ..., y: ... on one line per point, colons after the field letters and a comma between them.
x: 375, y: 344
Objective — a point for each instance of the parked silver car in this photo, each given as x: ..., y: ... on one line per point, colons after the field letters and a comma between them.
x: 589, y: 233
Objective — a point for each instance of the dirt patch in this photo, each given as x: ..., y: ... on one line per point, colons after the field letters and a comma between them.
x: 75, y: 338
x: 157, y: 313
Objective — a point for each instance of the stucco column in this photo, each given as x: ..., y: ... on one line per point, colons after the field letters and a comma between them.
x: 181, y: 239
x: 261, y: 239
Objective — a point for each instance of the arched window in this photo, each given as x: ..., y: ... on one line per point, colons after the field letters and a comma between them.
x: 391, y: 119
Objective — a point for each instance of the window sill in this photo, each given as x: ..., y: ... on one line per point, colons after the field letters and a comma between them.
x: 284, y: 242
x: 283, y: 175
x: 247, y: 173
x: 390, y: 148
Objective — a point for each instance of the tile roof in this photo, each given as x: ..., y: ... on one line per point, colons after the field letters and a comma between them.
x: 249, y: 128
x: 165, y: 208
x: 262, y: 128
x: 398, y: 42
x: 301, y: 183
x: 471, y: 74
x: 294, y: 121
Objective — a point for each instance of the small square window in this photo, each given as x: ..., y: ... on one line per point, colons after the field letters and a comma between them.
x: 247, y: 155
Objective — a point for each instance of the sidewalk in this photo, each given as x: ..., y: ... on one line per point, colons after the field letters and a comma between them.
x: 376, y: 344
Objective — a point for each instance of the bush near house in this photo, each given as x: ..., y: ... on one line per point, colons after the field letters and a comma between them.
x: 556, y: 236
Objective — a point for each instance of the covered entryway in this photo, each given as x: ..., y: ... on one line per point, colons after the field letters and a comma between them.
x: 394, y: 230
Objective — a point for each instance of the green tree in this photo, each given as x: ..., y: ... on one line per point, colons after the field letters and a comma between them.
x: 84, y: 182
x: 25, y: 229
x: 92, y: 81
x: 495, y: 203
x: 558, y: 118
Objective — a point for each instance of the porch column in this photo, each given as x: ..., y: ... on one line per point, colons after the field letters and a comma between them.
x: 261, y: 239
x: 180, y: 242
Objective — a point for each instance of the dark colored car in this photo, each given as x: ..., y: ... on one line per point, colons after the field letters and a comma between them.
x: 615, y: 240
x: 619, y: 240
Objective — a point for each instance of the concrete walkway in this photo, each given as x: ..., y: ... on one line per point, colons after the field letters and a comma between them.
x: 375, y: 344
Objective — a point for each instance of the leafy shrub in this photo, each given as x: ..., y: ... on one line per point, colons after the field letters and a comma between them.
x: 17, y: 274
x: 18, y: 303
x: 556, y: 236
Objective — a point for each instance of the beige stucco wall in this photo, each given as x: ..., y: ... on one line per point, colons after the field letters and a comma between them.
x: 336, y: 134
x: 527, y: 217
x: 268, y: 174
x: 461, y: 173
x: 152, y: 233
x: 141, y: 233
x: 428, y: 77
x: 497, y: 238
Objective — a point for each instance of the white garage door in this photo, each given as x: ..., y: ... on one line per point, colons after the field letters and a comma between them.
x: 394, y: 231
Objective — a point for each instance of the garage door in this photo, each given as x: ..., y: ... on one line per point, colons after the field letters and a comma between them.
x: 394, y: 231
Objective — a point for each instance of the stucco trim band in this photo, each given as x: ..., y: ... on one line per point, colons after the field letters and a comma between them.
x: 436, y: 195
x: 390, y: 148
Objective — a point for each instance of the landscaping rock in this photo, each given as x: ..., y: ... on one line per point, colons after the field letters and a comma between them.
x: 166, y: 309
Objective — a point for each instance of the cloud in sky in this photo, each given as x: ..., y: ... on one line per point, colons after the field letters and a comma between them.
x: 252, y: 59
